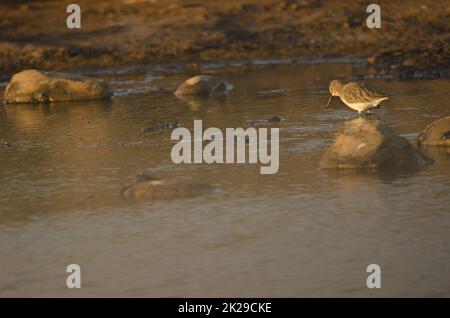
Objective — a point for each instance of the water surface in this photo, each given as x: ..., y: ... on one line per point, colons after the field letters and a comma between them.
x: 300, y: 232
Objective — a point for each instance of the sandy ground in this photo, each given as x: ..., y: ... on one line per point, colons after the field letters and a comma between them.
x: 412, y: 42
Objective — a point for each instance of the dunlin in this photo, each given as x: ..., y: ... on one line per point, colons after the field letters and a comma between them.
x: 356, y: 96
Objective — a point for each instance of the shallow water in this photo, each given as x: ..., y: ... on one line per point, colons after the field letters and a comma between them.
x: 300, y: 232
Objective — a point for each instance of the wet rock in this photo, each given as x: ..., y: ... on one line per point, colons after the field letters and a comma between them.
x: 409, y: 62
x: 371, y: 59
x: 204, y: 85
x: 33, y: 86
x: 272, y: 120
x: 151, y: 188
x: 437, y: 133
x: 4, y: 144
x: 367, y: 144
x: 161, y: 127
x: 145, y: 177
x: 292, y: 5
x: 273, y: 92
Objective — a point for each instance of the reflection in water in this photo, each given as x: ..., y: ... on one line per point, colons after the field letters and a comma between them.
x: 196, y: 102
x: 25, y: 117
x: 440, y: 154
x: 368, y: 144
x: 300, y: 232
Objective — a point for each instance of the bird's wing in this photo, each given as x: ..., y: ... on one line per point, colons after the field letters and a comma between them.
x: 356, y: 93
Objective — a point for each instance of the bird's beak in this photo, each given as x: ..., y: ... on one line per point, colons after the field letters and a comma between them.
x: 329, y: 101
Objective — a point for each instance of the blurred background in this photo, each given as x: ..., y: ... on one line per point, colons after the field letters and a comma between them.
x: 412, y: 41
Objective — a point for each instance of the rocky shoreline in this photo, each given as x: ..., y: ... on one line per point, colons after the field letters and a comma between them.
x: 413, y: 41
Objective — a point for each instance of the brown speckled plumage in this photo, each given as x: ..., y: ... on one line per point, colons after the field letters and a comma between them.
x: 356, y: 95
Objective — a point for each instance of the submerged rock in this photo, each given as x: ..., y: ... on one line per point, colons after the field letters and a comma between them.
x: 33, y: 86
x: 271, y: 120
x: 437, y: 133
x: 368, y: 144
x: 5, y: 144
x: 161, y: 127
x: 151, y: 188
x: 204, y: 85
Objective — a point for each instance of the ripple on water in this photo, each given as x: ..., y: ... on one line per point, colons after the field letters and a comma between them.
x: 300, y: 232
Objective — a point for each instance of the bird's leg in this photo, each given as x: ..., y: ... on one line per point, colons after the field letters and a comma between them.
x: 364, y: 114
x: 329, y: 101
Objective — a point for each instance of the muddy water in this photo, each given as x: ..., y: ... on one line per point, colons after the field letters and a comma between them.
x: 300, y: 232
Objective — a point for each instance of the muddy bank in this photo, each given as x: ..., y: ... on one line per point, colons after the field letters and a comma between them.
x: 412, y: 42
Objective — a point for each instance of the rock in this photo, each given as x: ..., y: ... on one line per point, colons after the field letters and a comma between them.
x: 33, y: 86
x: 4, y: 144
x: 272, y: 120
x: 161, y: 127
x: 436, y: 134
x: 204, y: 85
x: 367, y: 144
x: 371, y: 59
x: 150, y: 188
x: 273, y: 92
x: 409, y: 62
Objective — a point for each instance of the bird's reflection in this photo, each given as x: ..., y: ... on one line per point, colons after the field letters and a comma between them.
x: 361, y: 123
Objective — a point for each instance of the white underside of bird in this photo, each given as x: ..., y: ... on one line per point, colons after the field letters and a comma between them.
x: 363, y: 106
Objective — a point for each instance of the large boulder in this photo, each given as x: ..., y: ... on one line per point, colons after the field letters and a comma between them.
x: 33, y: 86
x: 149, y: 188
x: 436, y: 134
x: 204, y: 85
x: 368, y: 144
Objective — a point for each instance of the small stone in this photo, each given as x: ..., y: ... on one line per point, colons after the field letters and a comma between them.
x: 194, y: 66
x: 5, y: 144
x: 204, y: 85
x: 150, y: 188
x: 436, y: 134
x: 409, y: 62
x: 161, y: 127
x: 371, y: 59
x: 274, y: 119
x: 145, y: 177
x: 271, y: 120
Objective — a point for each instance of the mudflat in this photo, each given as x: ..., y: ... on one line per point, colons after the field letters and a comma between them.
x: 413, y: 40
